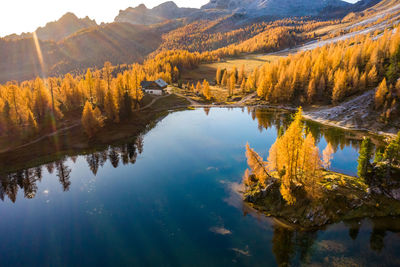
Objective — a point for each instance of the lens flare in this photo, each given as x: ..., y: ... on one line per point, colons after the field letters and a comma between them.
x: 46, y: 82
x: 39, y: 54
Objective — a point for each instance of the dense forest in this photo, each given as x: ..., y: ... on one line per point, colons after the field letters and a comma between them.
x: 35, y: 105
x: 333, y: 72
x: 201, y: 36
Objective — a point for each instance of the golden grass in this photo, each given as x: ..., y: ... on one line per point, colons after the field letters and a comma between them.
x: 208, y: 71
x: 221, y: 94
x: 218, y: 93
x: 330, y: 28
x: 332, y: 178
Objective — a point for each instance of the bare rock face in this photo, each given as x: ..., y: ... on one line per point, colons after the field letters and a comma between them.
x: 277, y: 7
x: 227, y: 4
x: 395, y: 193
x: 145, y: 16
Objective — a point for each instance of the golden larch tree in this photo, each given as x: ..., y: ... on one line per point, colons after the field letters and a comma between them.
x: 198, y: 87
x: 224, y: 81
x: 218, y: 76
x: 206, y: 90
x: 111, y: 107
x: 92, y: 120
x: 380, y: 94
x: 256, y: 165
x: 89, y: 85
x: 232, y: 84
x: 295, y: 157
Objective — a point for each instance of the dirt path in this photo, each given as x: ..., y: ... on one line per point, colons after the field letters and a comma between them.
x: 246, y: 98
x: 42, y: 137
x: 193, y: 103
x: 151, y: 103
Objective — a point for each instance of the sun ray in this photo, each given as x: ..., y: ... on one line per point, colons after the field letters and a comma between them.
x: 46, y: 81
x: 39, y: 54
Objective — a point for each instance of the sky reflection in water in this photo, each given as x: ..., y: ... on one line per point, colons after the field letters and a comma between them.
x: 165, y: 199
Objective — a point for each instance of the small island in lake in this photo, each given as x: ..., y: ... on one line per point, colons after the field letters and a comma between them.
x: 296, y: 185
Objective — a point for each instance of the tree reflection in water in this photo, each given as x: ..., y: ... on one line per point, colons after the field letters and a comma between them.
x: 288, y: 244
x: 293, y: 247
x: 337, y: 137
x: 27, y: 179
x: 63, y: 173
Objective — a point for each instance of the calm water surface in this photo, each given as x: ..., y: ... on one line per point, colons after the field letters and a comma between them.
x: 165, y: 199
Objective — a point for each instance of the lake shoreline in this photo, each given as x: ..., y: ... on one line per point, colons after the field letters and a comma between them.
x: 73, y: 141
x: 311, y: 114
x: 178, y: 103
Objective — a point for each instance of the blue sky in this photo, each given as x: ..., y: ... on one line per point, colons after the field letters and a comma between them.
x: 26, y: 15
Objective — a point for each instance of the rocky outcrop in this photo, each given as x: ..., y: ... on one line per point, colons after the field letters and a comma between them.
x: 227, y: 4
x: 340, y: 202
x: 143, y: 15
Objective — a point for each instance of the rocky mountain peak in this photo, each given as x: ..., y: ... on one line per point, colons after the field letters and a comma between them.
x: 160, y: 13
x: 167, y: 5
x: 277, y: 7
x: 141, y: 7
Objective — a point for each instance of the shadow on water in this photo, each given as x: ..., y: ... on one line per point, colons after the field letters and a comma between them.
x: 26, y: 180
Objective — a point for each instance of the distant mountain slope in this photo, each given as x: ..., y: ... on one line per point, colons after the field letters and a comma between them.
x: 143, y: 15
x: 363, y: 4
x: 116, y: 42
x: 20, y: 61
x: 278, y: 7
x: 58, y: 30
x: 386, y: 6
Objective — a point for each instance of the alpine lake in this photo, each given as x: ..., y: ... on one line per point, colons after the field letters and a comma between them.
x: 168, y: 198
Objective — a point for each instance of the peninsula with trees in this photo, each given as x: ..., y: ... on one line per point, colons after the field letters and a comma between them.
x: 295, y: 184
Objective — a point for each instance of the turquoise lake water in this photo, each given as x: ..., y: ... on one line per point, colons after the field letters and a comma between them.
x: 166, y: 199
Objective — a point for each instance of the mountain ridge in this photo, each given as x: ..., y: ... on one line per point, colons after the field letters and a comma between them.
x: 277, y: 7
x: 143, y: 15
x: 57, y: 30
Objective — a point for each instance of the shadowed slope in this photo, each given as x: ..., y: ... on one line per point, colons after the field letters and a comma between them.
x: 58, y: 30
x: 118, y: 43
